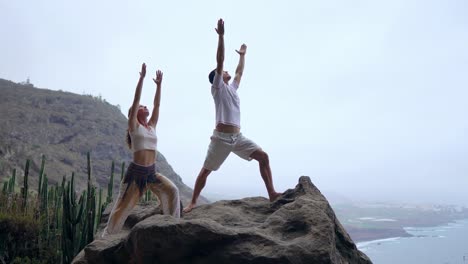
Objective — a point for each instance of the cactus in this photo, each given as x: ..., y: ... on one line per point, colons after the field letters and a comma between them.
x: 25, y: 185
x: 12, y: 183
x: 72, y: 186
x: 55, y: 230
x: 44, y: 195
x: 87, y: 225
x: 51, y: 196
x: 90, y: 207
x: 83, y: 225
x: 9, y: 185
x: 72, y: 216
x: 89, y: 203
x: 64, y: 180
x: 45, y: 210
x: 122, y: 171
x: 41, y: 174
x: 147, y: 196
x: 110, y: 186
x: 57, y: 204
x: 91, y: 216
x: 100, y: 207
x: 88, y: 159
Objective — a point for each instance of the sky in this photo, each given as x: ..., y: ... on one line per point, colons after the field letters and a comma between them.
x: 367, y: 98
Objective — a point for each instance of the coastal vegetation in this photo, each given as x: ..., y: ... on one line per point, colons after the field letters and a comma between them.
x: 50, y: 224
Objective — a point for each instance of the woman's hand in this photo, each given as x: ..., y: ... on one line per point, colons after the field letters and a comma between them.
x: 143, y: 71
x: 159, y: 77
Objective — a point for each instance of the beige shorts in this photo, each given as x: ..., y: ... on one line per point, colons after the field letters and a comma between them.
x: 222, y: 144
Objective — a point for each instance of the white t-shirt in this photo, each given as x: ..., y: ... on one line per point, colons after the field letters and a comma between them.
x: 226, y: 100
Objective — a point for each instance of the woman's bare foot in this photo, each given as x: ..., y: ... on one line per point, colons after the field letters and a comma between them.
x: 274, y: 196
x: 189, y: 208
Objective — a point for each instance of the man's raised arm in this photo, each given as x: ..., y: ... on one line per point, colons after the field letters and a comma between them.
x: 220, y: 52
x: 240, y: 66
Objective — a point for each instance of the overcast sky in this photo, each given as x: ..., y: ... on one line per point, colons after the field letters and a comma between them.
x: 368, y: 98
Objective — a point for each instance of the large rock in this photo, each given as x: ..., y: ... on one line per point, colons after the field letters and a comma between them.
x: 299, y: 227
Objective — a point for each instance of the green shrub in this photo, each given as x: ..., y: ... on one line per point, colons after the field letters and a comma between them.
x: 19, y: 236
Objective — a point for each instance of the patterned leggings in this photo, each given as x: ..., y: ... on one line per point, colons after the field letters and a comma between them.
x: 137, y: 180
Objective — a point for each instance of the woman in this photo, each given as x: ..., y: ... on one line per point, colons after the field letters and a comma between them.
x: 141, y: 174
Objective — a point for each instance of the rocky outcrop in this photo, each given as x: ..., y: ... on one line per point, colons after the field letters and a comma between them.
x: 299, y: 227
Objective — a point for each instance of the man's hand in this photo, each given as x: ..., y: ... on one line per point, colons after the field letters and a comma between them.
x: 240, y: 66
x: 242, y: 50
x: 159, y: 77
x: 220, y: 50
x: 220, y: 28
x: 143, y: 71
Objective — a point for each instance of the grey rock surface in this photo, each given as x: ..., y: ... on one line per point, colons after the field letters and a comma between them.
x: 299, y: 227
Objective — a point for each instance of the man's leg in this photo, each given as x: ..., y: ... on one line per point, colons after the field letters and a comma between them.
x: 248, y: 150
x: 265, y: 170
x: 218, y: 151
x: 199, y: 184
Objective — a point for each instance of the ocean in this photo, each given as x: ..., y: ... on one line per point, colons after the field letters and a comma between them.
x: 446, y: 244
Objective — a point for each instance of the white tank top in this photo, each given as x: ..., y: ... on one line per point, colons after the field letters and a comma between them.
x: 143, y: 138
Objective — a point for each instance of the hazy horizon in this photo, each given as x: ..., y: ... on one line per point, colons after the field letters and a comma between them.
x: 367, y: 98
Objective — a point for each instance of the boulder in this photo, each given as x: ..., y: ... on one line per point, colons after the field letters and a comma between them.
x: 299, y: 227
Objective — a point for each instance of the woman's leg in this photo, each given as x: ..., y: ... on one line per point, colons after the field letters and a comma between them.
x: 168, y: 195
x: 123, y: 206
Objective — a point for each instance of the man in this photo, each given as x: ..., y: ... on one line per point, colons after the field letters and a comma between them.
x: 226, y: 137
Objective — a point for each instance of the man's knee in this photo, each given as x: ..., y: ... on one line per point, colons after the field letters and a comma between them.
x: 262, y: 157
x: 266, y: 159
x: 204, y: 174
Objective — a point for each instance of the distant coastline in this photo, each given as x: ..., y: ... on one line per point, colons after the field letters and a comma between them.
x: 363, y: 235
x: 444, y: 243
x: 366, y: 223
x: 371, y: 234
x: 366, y: 243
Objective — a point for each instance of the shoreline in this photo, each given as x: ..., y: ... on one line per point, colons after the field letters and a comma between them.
x: 363, y: 243
x: 360, y: 235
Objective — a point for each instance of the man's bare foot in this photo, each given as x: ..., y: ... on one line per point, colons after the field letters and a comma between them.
x: 274, y: 196
x: 189, y: 208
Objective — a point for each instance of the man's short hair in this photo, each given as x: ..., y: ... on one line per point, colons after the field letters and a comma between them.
x: 211, y: 76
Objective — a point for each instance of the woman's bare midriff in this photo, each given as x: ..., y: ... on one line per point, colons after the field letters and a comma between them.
x: 144, y: 157
x: 227, y: 128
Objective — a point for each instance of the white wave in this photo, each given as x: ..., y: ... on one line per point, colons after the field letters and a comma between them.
x: 366, y: 218
x: 377, y: 219
x: 364, y: 244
